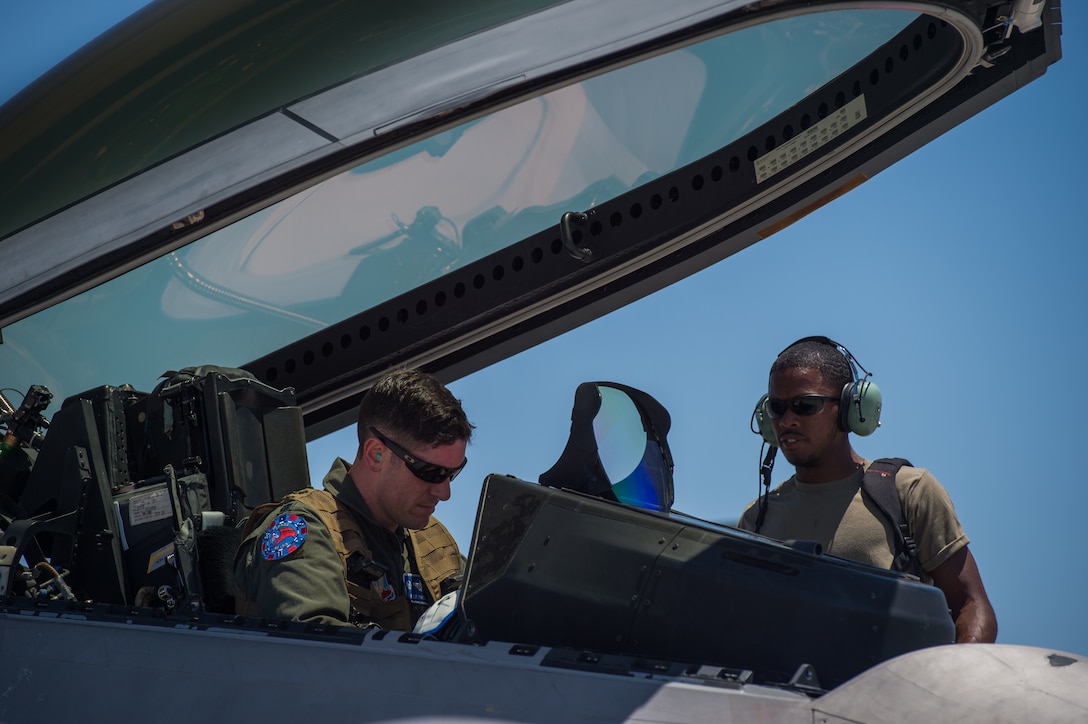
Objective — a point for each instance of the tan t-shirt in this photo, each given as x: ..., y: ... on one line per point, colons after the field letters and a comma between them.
x: 851, y: 526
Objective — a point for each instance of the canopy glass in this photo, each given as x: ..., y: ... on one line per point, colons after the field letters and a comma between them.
x: 389, y: 225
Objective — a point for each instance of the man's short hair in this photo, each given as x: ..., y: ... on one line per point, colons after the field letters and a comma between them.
x: 412, y: 407
x: 814, y: 354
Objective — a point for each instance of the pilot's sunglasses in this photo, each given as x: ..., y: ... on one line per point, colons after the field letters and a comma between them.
x: 425, y: 471
x: 803, y: 405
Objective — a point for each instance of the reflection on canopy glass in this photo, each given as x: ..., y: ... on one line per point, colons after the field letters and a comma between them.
x: 389, y: 225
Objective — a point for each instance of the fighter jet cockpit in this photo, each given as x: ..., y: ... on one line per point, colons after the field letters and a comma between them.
x: 314, y: 193
x: 127, y: 501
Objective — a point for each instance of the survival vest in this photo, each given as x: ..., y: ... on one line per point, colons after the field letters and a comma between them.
x: 432, y: 549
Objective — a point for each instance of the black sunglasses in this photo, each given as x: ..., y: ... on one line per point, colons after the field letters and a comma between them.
x: 803, y: 405
x: 425, y: 471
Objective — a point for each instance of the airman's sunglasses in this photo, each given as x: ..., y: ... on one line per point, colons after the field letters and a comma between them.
x: 803, y: 405
x: 425, y: 471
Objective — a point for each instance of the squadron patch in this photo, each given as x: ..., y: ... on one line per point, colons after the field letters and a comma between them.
x: 285, y: 536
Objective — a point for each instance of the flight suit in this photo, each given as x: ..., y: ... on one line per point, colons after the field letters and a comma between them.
x: 318, y: 556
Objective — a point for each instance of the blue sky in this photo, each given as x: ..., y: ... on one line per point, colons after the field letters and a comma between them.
x: 955, y: 276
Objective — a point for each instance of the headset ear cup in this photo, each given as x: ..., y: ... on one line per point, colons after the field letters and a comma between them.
x: 863, y: 408
x: 762, y: 422
x: 846, y: 406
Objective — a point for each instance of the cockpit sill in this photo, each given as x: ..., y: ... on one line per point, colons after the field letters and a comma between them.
x: 498, y: 653
x: 134, y: 498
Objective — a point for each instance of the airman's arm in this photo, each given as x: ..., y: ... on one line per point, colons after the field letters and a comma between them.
x: 961, y: 582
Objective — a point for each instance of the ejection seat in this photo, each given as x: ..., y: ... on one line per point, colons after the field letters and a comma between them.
x: 134, y: 497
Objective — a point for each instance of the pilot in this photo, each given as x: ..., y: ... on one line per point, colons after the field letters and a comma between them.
x: 366, y: 549
x: 823, y: 500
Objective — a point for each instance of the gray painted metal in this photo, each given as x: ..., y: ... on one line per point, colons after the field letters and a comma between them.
x: 965, y: 683
x: 82, y: 670
x: 66, y: 668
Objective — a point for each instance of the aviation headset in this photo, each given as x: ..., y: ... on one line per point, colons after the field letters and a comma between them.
x: 859, y: 401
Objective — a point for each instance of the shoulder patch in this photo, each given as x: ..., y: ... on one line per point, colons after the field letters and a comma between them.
x: 284, y: 536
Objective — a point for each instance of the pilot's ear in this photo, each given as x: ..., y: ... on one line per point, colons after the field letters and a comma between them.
x: 372, y: 454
